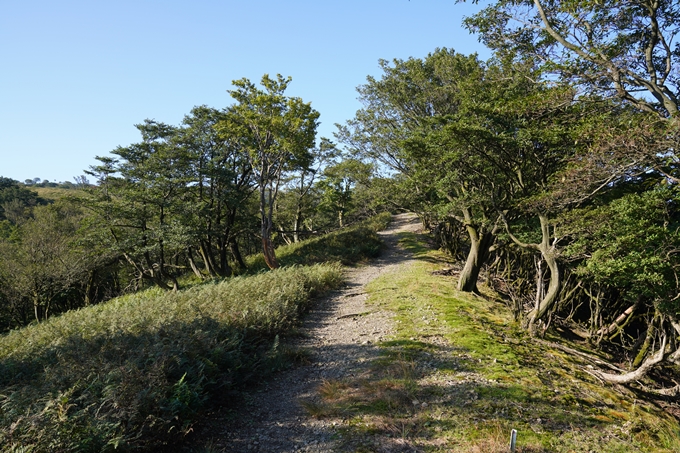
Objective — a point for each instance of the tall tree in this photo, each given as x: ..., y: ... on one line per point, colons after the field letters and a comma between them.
x: 278, y: 133
x: 475, y: 137
x: 139, y: 198
x: 220, y: 184
x: 625, y: 49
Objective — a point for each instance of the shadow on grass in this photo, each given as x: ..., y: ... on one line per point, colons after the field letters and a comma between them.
x: 139, y: 391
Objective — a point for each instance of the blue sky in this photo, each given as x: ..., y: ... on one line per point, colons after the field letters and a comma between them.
x: 75, y: 76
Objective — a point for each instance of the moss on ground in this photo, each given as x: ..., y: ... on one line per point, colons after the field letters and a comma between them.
x: 459, y: 375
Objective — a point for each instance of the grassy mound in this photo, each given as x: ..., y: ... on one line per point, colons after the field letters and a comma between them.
x: 349, y: 245
x: 134, y: 372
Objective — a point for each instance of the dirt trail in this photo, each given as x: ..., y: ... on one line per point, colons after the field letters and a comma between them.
x: 341, y: 332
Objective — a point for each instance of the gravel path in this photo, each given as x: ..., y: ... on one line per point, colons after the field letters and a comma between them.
x: 340, y: 331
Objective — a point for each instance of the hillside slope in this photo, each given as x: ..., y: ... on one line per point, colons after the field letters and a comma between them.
x: 399, y: 361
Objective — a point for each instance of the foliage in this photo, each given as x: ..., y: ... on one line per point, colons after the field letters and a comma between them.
x: 632, y: 244
x: 622, y: 49
x: 16, y: 201
x: 49, y: 267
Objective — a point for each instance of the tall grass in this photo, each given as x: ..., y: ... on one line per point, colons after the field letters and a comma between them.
x: 348, y: 245
x: 134, y: 372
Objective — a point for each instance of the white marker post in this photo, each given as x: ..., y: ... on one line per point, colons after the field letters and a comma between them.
x: 513, y: 440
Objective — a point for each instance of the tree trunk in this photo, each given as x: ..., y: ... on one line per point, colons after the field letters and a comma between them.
x: 296, y: 224
x: 553, y: 291
x: 268, y: 246
x: 90, y: 288
x: 267, y: 214
x: 549, y: 253
x: 192, y: 263
x: 479, y: 253
x: 236, y: 253
x: 640, y: 372
x: 480, y: 244
x: 225, y: 269
x: 204, y: 249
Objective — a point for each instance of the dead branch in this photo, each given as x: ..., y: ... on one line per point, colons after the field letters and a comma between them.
x: 612, y: 327
x: 583, y: 355
x: 638, y: 373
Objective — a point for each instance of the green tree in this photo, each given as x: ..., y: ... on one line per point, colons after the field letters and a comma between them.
x: 298, y: 203
x: 413, y: 100
x: 139, y: 199
x: 623, y: 49
x: 16, y: 201
x: 278, y: 133
x: 473, y: 138
x: 220, y: 183
x: 48, y: 268
x: 338, y: 184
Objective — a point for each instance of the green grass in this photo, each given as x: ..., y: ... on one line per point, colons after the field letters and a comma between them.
x: 348, y: 246
x: 459, y: 374
x: 135, y: 372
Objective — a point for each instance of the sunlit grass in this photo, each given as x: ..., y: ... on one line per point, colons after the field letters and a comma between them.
x: 348, y: 246
x: 135, y: 372
x: 459, y: 375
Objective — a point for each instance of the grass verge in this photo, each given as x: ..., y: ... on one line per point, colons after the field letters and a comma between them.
x: 459, y: 375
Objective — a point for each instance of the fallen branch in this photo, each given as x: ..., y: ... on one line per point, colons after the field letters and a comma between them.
x: 613, y: 326
x: 638, y: 373
x: 672, y: 391
x: 589, y: 357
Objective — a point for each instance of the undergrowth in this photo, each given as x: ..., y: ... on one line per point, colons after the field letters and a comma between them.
x: 135, y: 372
x: 459, y: 375
x: 348, y: 246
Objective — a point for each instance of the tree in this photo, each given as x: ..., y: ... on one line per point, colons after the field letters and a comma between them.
x: 139, y: 198
x: 299, y: 202
x: 278, y: 133
x: 220, y: 185
x: 16, y: 201
x: 623, y: 49
x: 402, y: 111
x: 47, y: 268
x: 473, y: 138
x: 338, y: 183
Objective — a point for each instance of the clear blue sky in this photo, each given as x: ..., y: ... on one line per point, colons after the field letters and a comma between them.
x: 75, y: 76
